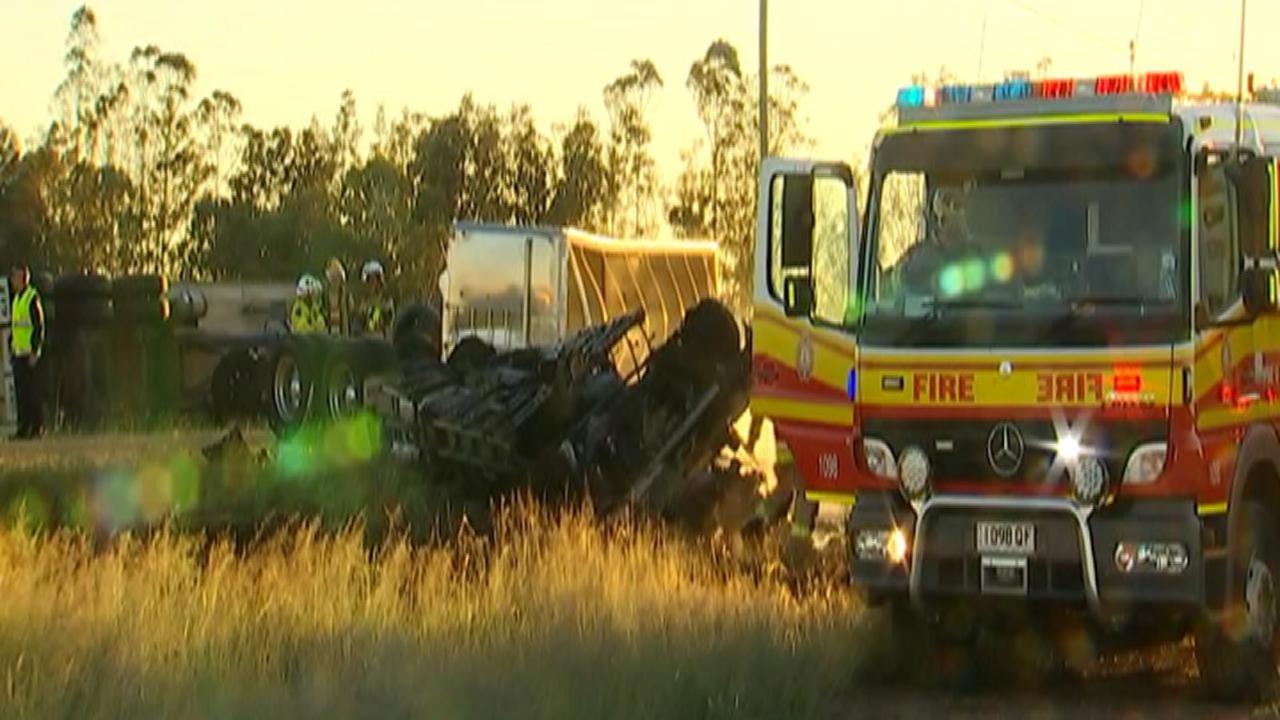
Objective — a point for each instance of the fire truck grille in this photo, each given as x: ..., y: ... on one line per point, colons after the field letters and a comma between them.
x: 961, y: 450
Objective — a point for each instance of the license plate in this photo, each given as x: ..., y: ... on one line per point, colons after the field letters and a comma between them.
x: 1006, y: 537
x: 1004, y: 575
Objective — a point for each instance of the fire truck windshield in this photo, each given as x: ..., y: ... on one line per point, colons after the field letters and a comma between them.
x: 1020, y: 250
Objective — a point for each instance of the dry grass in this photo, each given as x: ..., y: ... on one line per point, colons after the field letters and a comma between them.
x: 551, y: 616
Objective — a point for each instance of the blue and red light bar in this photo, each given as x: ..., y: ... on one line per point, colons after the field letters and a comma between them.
x: 1154, y: 83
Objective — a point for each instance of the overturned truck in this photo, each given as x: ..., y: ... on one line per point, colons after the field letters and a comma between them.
x: 600, y: 414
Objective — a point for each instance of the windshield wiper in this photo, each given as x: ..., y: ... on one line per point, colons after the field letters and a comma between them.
x: 1075, y: 303
x: 970, y: 304
x: 1138, y: 301
x: 935, y: 305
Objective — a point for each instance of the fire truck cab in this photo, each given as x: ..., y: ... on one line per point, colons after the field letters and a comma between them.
x: 1044, y: 366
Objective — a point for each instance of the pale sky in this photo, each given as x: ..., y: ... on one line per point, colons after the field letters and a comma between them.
x: 289, y: 59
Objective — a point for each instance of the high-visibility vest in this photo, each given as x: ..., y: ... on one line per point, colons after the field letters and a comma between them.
x: 23, y: 326
x: 378, y: 314
x: 306, y: 316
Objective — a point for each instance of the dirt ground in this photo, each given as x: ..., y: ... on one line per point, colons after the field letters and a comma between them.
x: 1156, y: 684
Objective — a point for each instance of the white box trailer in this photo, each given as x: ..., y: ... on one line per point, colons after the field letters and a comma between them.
x: 517, y: 286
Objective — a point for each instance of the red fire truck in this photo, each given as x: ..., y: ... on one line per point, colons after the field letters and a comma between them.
x: 1044, y: 367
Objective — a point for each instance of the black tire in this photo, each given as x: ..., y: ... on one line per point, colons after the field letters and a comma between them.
x: 42, y: 281
x: 1237, y: 655
x: 287, y: 389
x: 233, y: 385
x: 140, y: 286
x: 372, y: 356
x: 471, y: 353
x: 81, y: 287
x: 188, y: 307
x: 417, y: 334
x: 141, y: 310
x: 78, y: 312
x: 342, y: 385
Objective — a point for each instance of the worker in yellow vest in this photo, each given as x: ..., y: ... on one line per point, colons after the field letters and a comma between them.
x: 377, y: 310
x: 25, y: 343
x: 336, y: 301
x: 307, y: 314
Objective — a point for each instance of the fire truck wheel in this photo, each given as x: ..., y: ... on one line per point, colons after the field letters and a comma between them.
x: 288, y: 390
x: 1237, y: 654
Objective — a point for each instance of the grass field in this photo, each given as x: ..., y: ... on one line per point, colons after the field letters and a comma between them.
x: 549, y: 615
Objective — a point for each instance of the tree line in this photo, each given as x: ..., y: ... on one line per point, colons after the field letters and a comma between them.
x: 135, y: 173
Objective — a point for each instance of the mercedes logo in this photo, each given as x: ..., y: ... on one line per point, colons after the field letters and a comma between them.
x: 1005, y: 449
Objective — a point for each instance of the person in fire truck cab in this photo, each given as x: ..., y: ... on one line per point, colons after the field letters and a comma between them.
x: 948, y: 242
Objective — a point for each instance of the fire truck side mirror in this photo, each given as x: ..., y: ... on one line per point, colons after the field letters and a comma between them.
x: 810, y: 206
x: 1254, y: 178
x: 797, y: 222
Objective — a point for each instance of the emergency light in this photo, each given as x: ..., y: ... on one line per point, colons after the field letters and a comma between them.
x: 1153, y: 83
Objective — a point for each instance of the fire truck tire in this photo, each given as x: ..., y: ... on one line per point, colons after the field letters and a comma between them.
x: 1237, y: 655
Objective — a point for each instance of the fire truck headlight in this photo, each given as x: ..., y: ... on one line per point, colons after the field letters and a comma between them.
x: 1068, y: 449
x: 1088, y: 479
x: 888, y: 544
x: 1145, y: 463
x: 880, y: 458
x: 913, y: 473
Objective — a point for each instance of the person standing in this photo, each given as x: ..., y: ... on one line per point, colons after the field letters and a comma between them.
x: 378, y: 310
x: 25, y: 344
x: 307, y: 316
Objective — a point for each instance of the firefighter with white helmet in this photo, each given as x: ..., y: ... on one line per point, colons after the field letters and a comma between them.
x: 307, y: 314
x: 377, y: 312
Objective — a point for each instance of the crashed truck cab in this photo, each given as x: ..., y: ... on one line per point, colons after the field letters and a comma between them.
x: 1046, y: 364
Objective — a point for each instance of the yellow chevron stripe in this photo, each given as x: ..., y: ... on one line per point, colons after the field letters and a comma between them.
x: 831, y: 497
x: 1211, y: 508
x: 838, y: 414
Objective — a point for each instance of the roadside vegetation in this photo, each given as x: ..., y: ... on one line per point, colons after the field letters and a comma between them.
x: 540, y: 613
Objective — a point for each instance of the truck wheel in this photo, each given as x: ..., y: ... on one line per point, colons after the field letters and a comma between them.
x: 1237, y: 655
x: 140, y: 286
x: 471, y: 353
x: 231, y: 383
x: 343, y: 386
x: 288, y: 391
x: 137, y: 309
